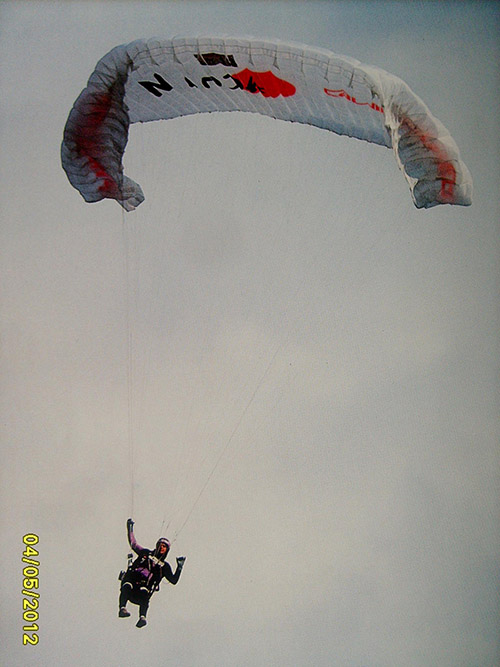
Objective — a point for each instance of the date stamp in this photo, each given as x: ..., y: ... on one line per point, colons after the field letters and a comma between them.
x: 31, y: 596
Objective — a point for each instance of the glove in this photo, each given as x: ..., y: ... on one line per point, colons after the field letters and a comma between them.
x: 130, y: 524
x: 180, y: 561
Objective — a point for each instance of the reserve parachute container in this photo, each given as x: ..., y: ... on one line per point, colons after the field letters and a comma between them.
x: 158, y: 79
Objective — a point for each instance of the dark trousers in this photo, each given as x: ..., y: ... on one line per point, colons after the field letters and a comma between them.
x: 139, y: 595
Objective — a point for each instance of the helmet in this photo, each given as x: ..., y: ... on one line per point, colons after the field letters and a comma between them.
x: 163, y: 540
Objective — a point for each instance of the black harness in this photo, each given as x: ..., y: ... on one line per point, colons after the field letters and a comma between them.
x: 134, y: 573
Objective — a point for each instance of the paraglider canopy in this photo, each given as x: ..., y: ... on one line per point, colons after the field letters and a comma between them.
x: 165, y: 78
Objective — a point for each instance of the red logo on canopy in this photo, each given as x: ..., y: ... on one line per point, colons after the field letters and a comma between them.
x: 265, y: 83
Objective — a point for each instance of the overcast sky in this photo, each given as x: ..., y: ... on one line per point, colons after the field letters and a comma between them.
x: 277, y: 360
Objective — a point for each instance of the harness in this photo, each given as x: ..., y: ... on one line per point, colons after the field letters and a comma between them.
x: 135, y: 575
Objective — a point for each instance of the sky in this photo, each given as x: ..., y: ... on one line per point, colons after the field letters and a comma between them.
x: 277, y: 360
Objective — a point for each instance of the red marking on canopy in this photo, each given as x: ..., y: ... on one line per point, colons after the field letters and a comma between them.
x: 89, y: 141
x: 446, y: 171
x: 350, y: 98
x: 265, y: 83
